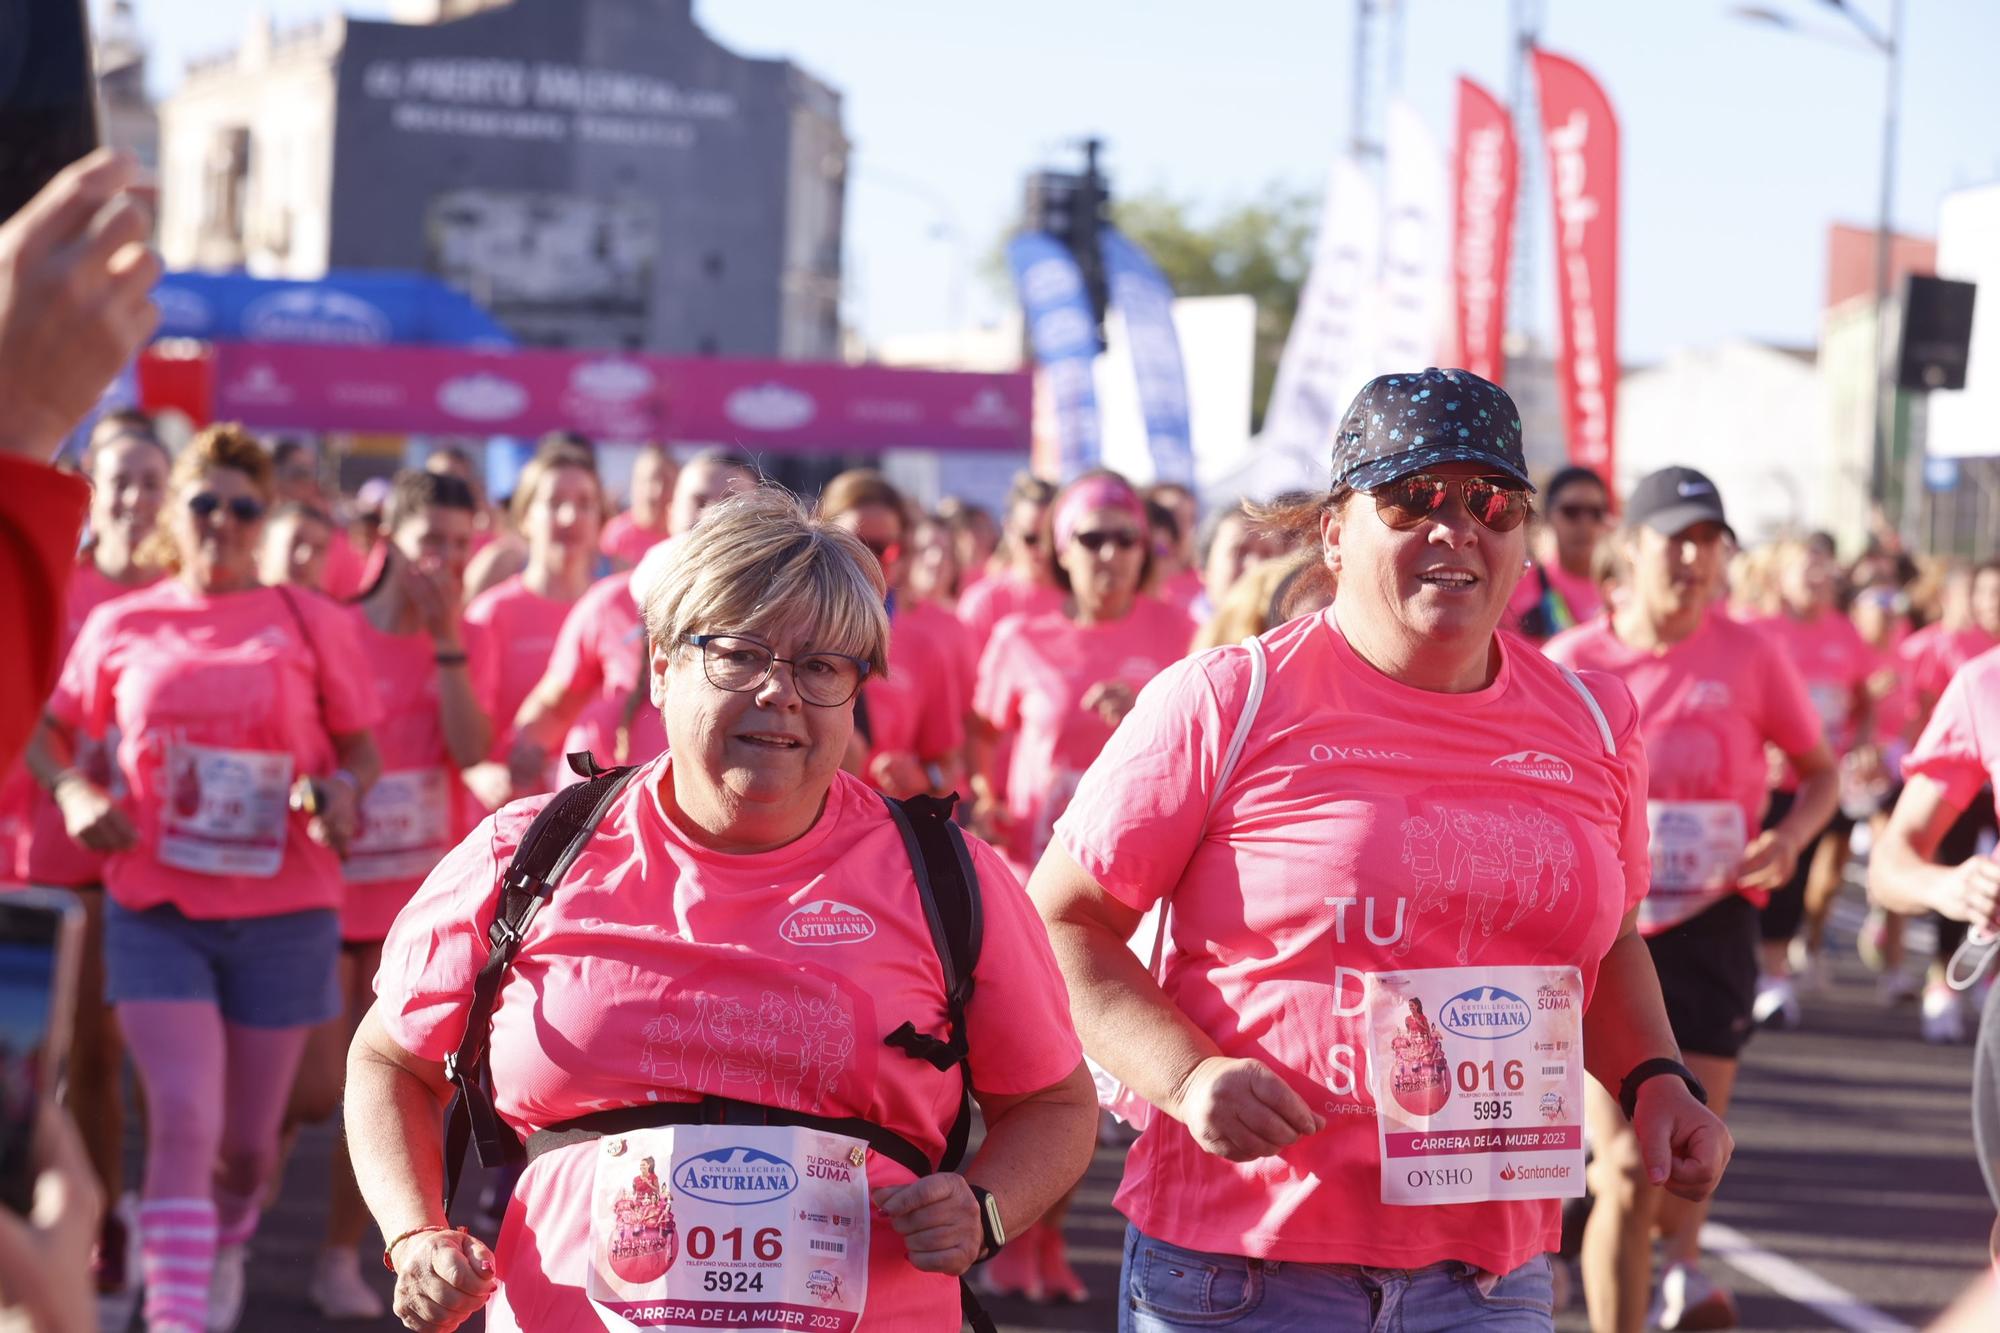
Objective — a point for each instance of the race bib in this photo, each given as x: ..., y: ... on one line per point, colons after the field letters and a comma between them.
x: 729, y: 1227
x: 405, y: 827
x: 225, y: 810
x: 1696, y: 849
x: 1477, y: 1074
x: 1831, y: 702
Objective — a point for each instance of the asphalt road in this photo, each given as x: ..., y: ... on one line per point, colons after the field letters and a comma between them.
x: 1854, y: 1200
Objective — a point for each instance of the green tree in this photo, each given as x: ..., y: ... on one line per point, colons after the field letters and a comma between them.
x: 1261, y: 248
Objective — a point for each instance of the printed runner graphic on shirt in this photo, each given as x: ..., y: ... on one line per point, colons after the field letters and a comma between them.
x: 789, y: 1050
x: 1478, y: 1080
x: 729, y: 1227
x: 1485, y: 860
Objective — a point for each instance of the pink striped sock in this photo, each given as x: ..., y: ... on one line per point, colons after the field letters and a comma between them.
x: 177, y: 1258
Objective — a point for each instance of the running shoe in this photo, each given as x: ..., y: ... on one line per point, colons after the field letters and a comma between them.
x: 338, y: 1291
x: 1897, y: 988
x: 1690, y: 1301
x: 225, y: 1289
x: 1812, y: 970
x: 1777, y: 1004
x: 1944, y: 1016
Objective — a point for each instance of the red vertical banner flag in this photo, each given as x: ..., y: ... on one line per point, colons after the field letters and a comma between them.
x: 1582, y: 138
x: 1485, y: 167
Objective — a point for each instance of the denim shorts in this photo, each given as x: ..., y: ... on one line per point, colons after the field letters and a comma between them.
x: 260, y: 971
x: 1166, y: 1289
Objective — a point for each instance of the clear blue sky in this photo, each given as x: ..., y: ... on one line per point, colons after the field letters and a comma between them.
x: 1742, y: 142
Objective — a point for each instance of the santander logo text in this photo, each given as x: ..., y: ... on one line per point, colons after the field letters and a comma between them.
x: 827, y: 922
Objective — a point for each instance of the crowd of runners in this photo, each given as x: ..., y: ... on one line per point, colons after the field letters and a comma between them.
x: 1382, y: 864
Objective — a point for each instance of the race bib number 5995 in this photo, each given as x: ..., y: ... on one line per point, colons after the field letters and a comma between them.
x: 1477, y: 1074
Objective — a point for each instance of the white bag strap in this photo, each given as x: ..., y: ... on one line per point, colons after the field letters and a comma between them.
x: 1246, y: 722
x: 1590, y: 701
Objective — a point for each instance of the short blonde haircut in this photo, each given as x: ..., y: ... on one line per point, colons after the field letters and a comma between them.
x: 225, y: 444
x: 759, y: 563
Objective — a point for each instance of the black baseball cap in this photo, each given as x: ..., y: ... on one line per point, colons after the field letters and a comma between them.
x: 1404, y: 423
x: 1673, y: 500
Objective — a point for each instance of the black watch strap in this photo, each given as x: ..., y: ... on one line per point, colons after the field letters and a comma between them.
x: 1628, y: 1091
x: 989, y: 1244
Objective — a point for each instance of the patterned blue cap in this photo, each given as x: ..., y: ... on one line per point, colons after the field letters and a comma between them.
x: 1399, y: 424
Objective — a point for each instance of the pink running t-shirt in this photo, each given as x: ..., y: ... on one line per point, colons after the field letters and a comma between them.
x: 1032, y: 681
x: 661, y: 970
x: 218, y: 685
x: 1933, y: 654
x: 1960, y: 746
x: 510, y: 634
x: 1834, y: 660
x: 46, y: 855
x: 952, y: 643
x: 625, y: 541
x: 1707, y: 707
x: 997, y: 596
x: 1369, y: 827
x: 418, y: 802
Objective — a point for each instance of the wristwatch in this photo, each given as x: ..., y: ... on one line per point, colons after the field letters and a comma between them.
x: 989, y: 1223
x: 1628, y: 1091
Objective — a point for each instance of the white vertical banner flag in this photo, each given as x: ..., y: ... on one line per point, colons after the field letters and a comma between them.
x: 1416, y: 245
x: 1331, y: 350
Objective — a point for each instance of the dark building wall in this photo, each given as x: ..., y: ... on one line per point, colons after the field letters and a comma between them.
x: 598, y: 172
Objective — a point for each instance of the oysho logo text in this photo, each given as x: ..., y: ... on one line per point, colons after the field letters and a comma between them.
x: 1439, y: 1178
x: 1327, y: 754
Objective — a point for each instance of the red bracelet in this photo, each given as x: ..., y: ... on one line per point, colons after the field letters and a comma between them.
x: 389, y: 1250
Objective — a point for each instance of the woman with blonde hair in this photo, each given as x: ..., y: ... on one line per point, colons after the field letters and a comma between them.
x: 742, y: 936
x: 244, y: 751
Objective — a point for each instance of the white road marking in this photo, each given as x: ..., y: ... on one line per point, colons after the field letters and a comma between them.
x: 1796, y: 1283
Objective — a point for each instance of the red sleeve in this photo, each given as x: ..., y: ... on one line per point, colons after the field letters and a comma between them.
x: 41, y: 515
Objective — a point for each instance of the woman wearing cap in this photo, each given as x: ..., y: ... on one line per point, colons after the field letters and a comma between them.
x: 744, y: 923
x: 244, y: 752
x: 1712, y: 694
x: 1560, y: 587
x: 1417, y: 807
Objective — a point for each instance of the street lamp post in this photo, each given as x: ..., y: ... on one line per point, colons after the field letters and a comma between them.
x: 1889, y: 45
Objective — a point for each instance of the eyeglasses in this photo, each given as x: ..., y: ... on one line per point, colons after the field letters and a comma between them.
x: 1581, y: 513
x: 1116, y: 539
x: 1499, y: 504
x: 740, y: 665
x: 205, y: 504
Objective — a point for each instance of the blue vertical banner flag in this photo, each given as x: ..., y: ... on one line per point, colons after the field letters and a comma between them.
x: 1062, y: 329
x: 1141, y: 293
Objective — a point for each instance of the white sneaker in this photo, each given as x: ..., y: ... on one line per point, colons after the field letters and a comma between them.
x: 1944, y: 1021
x: 1690, y: 1301
x: 1812, y: 970
x: 225, y: 1289
x: 1893, y: 989
x: 1777, y: 1004
x: 338, y: 1291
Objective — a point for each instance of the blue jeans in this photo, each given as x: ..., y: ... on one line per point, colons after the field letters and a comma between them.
x: 1166, y: 1289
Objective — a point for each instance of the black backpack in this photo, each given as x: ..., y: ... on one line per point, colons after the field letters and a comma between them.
x: 947, y: 885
